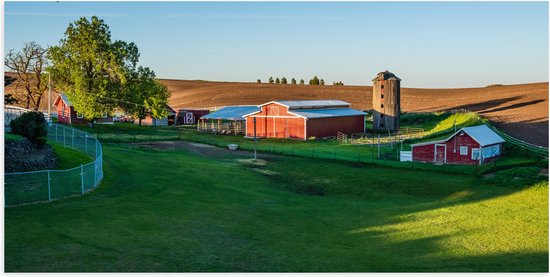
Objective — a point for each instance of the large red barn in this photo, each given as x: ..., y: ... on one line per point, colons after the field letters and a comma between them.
x: 303, y: 119
x: 470, y: 145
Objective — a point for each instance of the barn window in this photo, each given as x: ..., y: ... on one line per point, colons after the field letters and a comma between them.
x: 475, y: 153
x: 381, y: 105
x: 79, y: 115
x: 382, y: 86
x: 382, y: 96
x: 381, y: 115
x: 464, y: 150
x: 381, y: 125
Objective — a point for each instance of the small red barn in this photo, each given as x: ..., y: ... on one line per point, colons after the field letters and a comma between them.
x: 189, y: 116
x: 66, y: 113
x: 470, y: 145
x: 305, y: 118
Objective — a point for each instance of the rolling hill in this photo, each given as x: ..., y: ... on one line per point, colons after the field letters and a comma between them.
x: 520, y: 110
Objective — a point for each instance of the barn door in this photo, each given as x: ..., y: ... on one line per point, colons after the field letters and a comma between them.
x: 440, y: 154
x: 189, y: 118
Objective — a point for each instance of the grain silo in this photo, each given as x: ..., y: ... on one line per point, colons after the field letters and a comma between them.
x: 386, y: 93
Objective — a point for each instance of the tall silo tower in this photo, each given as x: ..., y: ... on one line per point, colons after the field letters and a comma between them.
x: 386, y: 93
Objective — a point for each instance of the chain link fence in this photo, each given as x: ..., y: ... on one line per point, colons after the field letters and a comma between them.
x: 48, y: 185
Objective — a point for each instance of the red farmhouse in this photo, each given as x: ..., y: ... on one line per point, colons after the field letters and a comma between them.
x: 304, y: 119
x: 470, y: 145
x: 66, y: 113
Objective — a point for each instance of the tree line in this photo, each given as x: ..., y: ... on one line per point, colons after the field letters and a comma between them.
x: 96, y: 73
x: 315, y: 81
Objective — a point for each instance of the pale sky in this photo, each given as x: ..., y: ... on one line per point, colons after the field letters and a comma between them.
x: 426, y: 44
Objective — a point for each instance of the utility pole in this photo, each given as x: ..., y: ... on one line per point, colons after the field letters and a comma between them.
x: 49, y: 99
x: 255, y: 139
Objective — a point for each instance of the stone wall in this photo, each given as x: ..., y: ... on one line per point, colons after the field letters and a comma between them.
x: 21, y: 156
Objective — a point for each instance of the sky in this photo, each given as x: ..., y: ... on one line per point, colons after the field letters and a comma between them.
x: 426, y: 44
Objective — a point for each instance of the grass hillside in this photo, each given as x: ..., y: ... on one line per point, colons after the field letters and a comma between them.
x: 178, y: 210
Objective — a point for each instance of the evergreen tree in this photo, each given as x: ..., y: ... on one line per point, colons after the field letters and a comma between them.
x: 314, y: 81
x: 271, y: 80
x: 302, y: 82
x: 322, y: 82
x: 283, y: 80
x: 293, y: 81
x: 277, y: 81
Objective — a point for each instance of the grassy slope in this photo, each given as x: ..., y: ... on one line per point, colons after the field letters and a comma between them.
x: 174, y: 211
x: 69, y: 158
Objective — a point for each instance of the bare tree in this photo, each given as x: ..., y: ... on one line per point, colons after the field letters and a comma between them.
x: 28, y: 64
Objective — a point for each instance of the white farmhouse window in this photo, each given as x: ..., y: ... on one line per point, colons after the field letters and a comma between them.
x: 475, y: 153
x: 79, y: 115
x: 464, y: 150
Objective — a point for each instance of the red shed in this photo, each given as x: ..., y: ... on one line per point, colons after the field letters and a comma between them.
x: 189, y: 116
x: 470, y: 145
x: 66, y: 113
x: 305, y: 118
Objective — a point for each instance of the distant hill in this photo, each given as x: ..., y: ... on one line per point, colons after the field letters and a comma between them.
x: 521, y: 110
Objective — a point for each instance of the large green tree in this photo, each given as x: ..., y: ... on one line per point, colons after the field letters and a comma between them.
x: 143, y: 94
x: 90, y: 68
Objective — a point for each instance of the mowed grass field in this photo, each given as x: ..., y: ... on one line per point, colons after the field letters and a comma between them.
x: 176, y: 210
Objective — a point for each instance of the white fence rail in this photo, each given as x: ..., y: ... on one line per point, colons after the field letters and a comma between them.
x: 48, y: 185
x: 13, y: 112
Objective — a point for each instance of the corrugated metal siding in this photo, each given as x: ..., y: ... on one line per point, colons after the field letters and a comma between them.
x: 274, y: 121
x: 423, y: 153
x: 453, y: 149
x: 329, y: 127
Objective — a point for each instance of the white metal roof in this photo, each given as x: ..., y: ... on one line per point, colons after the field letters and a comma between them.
x: 482, y: 134
x: 231, y: 112
x: 304, y: 104
x: 319, y: 113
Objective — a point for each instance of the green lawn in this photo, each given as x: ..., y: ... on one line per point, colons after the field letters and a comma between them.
x: 11, y: 136
x: 177, y: 211
x: 325, y: 149
x: 69, y: 158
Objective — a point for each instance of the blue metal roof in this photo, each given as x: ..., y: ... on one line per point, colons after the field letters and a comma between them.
x: 320, y: 113
x: 301, y: 104
x: 231, y: 112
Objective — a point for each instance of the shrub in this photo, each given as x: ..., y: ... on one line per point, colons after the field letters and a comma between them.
x: 31, y: 125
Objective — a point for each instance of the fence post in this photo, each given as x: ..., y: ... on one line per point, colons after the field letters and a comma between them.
x: 49, y: 187
x: 86, y: 143
x: 72, y: 140
x: 82, y: 177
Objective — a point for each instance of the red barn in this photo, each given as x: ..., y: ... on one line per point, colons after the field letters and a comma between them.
x: 189, y: 116
x: 304, y: 119
x: 470, y: 145
x: 66, y: 113
x: 166, y: 121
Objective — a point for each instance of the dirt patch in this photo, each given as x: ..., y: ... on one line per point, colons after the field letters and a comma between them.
x: 200, y: 149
